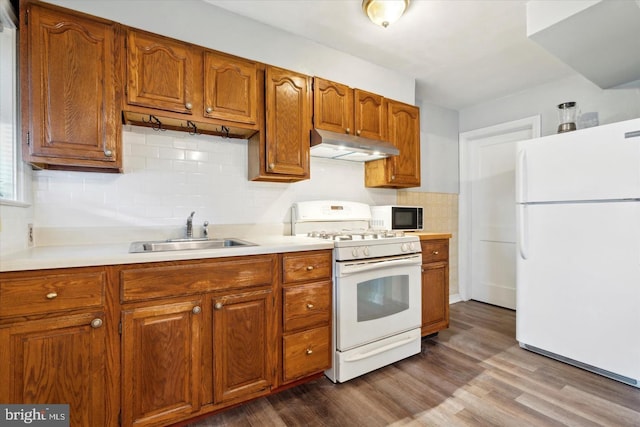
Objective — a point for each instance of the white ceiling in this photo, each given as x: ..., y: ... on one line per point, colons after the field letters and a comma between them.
x: 461, y: 52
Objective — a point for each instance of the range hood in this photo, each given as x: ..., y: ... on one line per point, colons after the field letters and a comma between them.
x: 333, y: 145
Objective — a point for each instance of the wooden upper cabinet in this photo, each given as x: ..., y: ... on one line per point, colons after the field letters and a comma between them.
x: 159, y: 72
x: 70, y: 89
x: 332, y: 106
x: 339, y: 108
x: 230, y: 88
x: 370, y: 115
x: 281, y: 152
x: 403, y: 170
x: 179, y: 86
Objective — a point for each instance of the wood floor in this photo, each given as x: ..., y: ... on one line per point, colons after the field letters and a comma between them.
x: 472, y: 374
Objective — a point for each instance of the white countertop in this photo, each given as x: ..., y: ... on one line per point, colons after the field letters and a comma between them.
x: 45, y: 257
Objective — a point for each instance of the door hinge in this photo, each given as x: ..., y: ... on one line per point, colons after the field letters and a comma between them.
x: 26, y: 17
x: 120, y: 328
x: 119, y: 418
x: 29, y: 138
x: 126, y: 90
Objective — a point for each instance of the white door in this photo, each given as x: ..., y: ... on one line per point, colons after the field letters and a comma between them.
x: 487, y: 227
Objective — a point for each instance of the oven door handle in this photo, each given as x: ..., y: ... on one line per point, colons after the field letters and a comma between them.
x: 353, y: 267
x: 391, y: 346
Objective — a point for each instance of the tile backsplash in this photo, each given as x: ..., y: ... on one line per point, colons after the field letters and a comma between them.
x: 440, y: 215
x: 169, y: 174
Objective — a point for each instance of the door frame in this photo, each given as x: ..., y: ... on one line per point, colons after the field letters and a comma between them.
x: 464, y: 199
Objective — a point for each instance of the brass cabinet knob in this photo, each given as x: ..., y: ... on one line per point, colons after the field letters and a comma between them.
x: 309, y: 351
x: 347, y: 130
x: 209, y: 110
x: 108, y: 153
x: 271, y: 166
x: 218, y: 306
x: 393, y: 177
x: 435, y: 252
x: 196, y: 309
x: 52, y: 295
x: 309, y: 306
x: 309, y: 267
x: 188, y: 106
x: 358, y: 132
x: 96, y: 323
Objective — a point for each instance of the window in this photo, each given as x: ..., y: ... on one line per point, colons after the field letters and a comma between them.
x: 10, y: 163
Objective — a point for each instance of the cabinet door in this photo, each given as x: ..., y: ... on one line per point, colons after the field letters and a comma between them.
x: 60, y: 360
x: 288, y: 122
x: 230, y: 88
x: 435, y: 297
x: 404, y: 133
x: 159, y: 72
x: 370, y: 115
x: 332, y: 106
x: 70, y: 93
x: 243, y: 345
x: 161, y: 362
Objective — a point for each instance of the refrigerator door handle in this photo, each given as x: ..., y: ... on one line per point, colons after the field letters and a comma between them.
x: 521, y: 176
x: 523, y: 232
x: 632, y: 134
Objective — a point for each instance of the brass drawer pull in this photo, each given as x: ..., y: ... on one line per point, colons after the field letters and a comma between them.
x: 52, y: 295
x: 309, y: 351
x: 435, y: 252
x: 96, y: 323
x: 309, y: 306
x: 196, y: 309
x: 309, y: 267
x: 218, y: 306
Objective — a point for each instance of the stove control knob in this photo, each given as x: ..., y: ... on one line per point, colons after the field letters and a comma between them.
x: 366, y: 251
x: 404, y: 247
x: 411, y: 247
x: 354, y: 252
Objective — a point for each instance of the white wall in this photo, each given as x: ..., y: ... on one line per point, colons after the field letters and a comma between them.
x: 169, y: 174
x: 438, y: 149
x: 612, y: 105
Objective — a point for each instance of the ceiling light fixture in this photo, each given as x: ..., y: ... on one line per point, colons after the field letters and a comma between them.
x: 384, y: 12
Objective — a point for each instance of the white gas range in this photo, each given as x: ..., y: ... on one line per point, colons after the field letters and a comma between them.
x: 377, y: 286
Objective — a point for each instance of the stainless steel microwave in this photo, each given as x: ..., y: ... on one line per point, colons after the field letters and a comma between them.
x: 394, y: 217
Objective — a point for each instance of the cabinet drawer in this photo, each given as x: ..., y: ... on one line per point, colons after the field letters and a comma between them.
x: 306, y: 352
x: 48, y: 293
x: 170, y: 279
x: 306, y: 305
x: 306, y: 266
x: 435, y: 250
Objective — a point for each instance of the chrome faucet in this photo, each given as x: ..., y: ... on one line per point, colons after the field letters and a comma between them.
x: 190, y: 225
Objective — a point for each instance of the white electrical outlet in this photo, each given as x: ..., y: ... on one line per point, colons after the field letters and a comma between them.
x: 30, y: 235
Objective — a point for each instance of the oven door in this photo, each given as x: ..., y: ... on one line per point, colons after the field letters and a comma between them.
x: 377, y: 298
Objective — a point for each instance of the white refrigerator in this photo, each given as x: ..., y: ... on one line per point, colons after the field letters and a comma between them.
x: 578, y: 244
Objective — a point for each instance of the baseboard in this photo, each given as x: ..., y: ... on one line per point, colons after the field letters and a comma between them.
x: 454, y: 298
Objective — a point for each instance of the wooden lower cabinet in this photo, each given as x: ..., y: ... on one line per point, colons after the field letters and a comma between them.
x: 243, y: 352
x: 57, y: 360
x: 57, y: 342
x: 435, y: 285
x: 306, y: 314
x: 194, y: 337
x: 161, y: 360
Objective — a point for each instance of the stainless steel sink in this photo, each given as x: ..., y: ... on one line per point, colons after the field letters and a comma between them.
x: 187, y: 244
